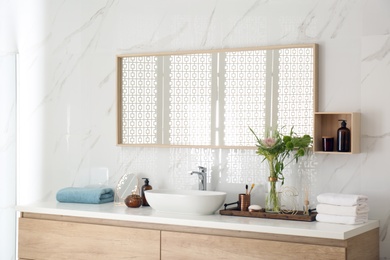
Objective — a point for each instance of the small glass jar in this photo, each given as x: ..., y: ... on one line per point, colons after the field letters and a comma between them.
x: 133, y: 201
x: 327, y: 143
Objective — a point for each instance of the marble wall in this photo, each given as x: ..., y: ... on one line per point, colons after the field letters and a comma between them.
x: 67, y: 99
x: 7, y: 155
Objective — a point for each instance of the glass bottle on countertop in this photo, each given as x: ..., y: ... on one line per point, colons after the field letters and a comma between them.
x: 145, y: 187
x: 134, y: 200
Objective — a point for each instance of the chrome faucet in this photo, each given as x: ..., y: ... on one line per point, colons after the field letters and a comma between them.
x: 202, y: 174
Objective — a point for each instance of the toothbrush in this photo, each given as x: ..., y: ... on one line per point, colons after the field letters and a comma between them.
x: 253, y: 185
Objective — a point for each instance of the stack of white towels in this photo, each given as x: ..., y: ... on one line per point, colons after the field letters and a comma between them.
x: 342, y: 208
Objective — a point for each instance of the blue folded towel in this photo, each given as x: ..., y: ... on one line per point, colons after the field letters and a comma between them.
x: 85, y: 195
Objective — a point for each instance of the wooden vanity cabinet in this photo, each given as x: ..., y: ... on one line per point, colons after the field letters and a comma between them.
x: 54, y: 239
x: 195, y: 246
x: 43, y: 236
x: 175, y: 245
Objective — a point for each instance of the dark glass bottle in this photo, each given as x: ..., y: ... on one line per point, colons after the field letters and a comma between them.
x: 145, y: 187
x: 343, y: 138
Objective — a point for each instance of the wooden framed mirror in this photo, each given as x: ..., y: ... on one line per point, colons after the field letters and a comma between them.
x: 210, y: 98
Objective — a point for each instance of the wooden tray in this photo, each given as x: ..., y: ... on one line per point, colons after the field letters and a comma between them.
x: 298, y: 217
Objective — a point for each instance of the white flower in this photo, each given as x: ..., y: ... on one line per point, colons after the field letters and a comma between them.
x: 269, y: 142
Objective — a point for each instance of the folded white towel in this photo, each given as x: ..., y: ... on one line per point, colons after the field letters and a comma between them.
x: 359, y: 219
x: 341, y: 199
x: 342, y: 210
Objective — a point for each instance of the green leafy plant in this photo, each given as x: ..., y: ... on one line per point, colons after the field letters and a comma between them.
x: 280, y: 150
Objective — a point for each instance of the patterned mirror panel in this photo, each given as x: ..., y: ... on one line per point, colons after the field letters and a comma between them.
x: 209, y: 99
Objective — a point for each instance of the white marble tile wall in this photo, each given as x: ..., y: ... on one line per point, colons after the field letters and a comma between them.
x: 7, y: 155
x: 67, y: 88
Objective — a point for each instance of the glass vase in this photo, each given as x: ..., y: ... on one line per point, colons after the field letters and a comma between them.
x: 272, y: 197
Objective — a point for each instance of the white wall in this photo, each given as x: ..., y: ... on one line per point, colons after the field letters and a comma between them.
x: 67, y: 88
x: 7, y: 130
x: 7, y: 155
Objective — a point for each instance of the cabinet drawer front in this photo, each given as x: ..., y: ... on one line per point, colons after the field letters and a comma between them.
x: 177, y: 245
x: 47, y: 239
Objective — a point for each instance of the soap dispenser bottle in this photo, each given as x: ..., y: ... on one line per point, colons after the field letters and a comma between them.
x: 145, y: 187
x: 343, y: 137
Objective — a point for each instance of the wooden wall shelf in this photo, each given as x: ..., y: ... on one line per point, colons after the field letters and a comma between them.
x: 327, y: 123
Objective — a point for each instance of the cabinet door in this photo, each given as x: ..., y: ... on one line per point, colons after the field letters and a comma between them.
x: 47, y: 239
x: 175, y: 245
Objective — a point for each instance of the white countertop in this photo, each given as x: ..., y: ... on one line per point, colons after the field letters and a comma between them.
x: 148, y: 215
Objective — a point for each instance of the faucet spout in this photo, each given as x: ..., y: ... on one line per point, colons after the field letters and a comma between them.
x: 202, y: 174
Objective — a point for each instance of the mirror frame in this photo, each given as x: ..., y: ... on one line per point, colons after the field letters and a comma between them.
x: 119, y: 58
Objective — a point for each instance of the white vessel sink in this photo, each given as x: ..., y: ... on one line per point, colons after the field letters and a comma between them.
x: 194, y: 202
